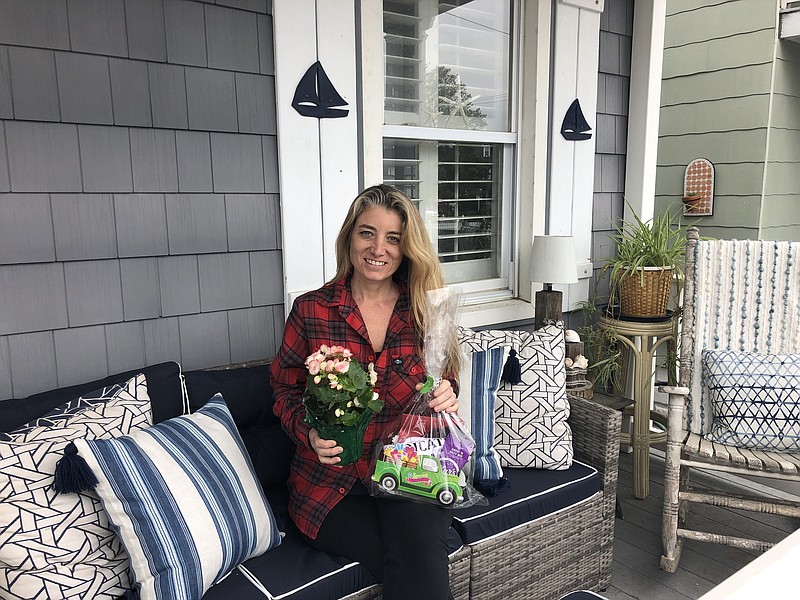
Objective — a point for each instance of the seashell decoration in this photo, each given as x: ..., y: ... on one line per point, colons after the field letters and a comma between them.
x: 580, y: 362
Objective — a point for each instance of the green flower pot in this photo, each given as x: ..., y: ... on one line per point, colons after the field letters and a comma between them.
x: 350, y: 438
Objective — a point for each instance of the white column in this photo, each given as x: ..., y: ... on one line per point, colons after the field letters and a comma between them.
x: 576, y: 52
x: 645, y: 102
x: 318, y: 158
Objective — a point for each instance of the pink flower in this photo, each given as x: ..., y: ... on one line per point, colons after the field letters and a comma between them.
x: 337, y: 385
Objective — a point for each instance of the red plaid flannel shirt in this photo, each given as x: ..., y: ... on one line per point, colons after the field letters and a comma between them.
x: 329, y: 316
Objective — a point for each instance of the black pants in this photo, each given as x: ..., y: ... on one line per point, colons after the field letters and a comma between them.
x: 402, y: 543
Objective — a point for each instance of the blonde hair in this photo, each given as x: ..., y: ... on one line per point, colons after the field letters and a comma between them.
x: 420, y: 267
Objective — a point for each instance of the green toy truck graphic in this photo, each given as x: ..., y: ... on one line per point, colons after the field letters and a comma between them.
x: 419, y: 475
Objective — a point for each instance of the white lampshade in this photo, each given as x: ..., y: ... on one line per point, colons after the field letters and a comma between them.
x: 553, y: 259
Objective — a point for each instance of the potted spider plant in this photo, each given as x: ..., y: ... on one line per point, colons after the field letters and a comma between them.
x: 649, y: 259
x: 601, y: 349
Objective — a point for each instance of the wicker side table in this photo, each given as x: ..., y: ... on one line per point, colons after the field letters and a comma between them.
x: 642, y: 339
x: 621, y: 404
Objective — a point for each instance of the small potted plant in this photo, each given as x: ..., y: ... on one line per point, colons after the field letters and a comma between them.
x: 603, y: 352
x: 649, y: 259
x: 692, y: 202
x: 339, y: 399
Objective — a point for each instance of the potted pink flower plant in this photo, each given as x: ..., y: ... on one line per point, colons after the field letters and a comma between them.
x: 340, y: 398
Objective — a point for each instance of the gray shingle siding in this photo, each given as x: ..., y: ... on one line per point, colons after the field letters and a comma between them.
x: 138, y: 188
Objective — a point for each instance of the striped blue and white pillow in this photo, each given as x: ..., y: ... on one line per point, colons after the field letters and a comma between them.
x: 185, y: 499
x: 479, y: 381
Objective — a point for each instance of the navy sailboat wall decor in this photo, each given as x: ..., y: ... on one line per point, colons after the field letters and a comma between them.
x: 315, y: 95
x: 574, y: 127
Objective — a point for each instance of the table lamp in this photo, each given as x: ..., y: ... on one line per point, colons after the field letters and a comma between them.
x: 552, y: 261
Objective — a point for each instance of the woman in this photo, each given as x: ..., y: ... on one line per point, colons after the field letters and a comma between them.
x: 374, y: 306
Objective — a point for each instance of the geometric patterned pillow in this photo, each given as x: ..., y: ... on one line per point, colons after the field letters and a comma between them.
x: 531, y: 428
x: 61, y: 545
x: 185, y: 500
x: 61, y: 416
x: 755, y: 398
x: 479, y: 381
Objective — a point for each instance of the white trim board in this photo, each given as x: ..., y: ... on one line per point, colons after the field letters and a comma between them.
x: 576, y: 54
x: 317, y: 158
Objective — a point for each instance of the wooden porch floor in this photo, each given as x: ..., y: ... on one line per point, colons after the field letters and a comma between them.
x: 637, y: 543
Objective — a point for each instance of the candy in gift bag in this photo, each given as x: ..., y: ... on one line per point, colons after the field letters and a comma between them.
x: 428, y: 455
x: 430, y: 465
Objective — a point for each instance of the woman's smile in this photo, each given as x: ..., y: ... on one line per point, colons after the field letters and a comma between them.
x: 375, y: 244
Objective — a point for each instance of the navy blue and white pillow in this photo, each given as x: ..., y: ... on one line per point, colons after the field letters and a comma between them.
x: 479, y: 380
x: 185, y: 500
x: 531, y: 428
x: 62, y: 545
x: 755, y: 398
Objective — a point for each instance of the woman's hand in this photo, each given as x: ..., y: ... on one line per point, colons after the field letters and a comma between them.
x: 443, y: 397
x: 327, y: 450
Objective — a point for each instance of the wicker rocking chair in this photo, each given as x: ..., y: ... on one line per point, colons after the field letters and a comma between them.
x: 741, y: 308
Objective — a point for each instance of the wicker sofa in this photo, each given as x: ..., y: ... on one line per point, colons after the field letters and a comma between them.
x: 528, y: 543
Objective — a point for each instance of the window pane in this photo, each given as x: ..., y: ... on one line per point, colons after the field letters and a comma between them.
x: 447, y: 64
x: 457, y: 190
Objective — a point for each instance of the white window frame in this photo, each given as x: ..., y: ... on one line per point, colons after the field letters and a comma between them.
x: 526, y: 191
x: 504, y: 286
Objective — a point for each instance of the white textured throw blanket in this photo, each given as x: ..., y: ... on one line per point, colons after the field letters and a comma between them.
x: 746, y: 297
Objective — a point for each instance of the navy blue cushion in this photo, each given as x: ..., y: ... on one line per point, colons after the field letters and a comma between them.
x: 163, y: 386
x: 248, y: 394
x: 532, y: 493
x: 296, y: 571
x: 581, y: 595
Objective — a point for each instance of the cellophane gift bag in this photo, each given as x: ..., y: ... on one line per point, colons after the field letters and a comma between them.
x: 427, y: 456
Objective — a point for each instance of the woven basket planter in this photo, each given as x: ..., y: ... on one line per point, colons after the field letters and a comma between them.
x: 648, y: 299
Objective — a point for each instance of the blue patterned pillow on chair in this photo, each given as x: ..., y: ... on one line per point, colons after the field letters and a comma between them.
x: 755, y: 398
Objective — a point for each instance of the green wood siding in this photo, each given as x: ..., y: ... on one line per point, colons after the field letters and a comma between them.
x: 714, y: 85
x: 731, y: 94
x: 727, y: 146
x: 730, y: 114
x: 716, y: 54
x: 701, y: 21
x: 736, y: 179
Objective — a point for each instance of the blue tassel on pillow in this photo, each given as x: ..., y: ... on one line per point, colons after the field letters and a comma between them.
x: 72, y: 474
x: 511, y: 371
x: 492, y: 487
